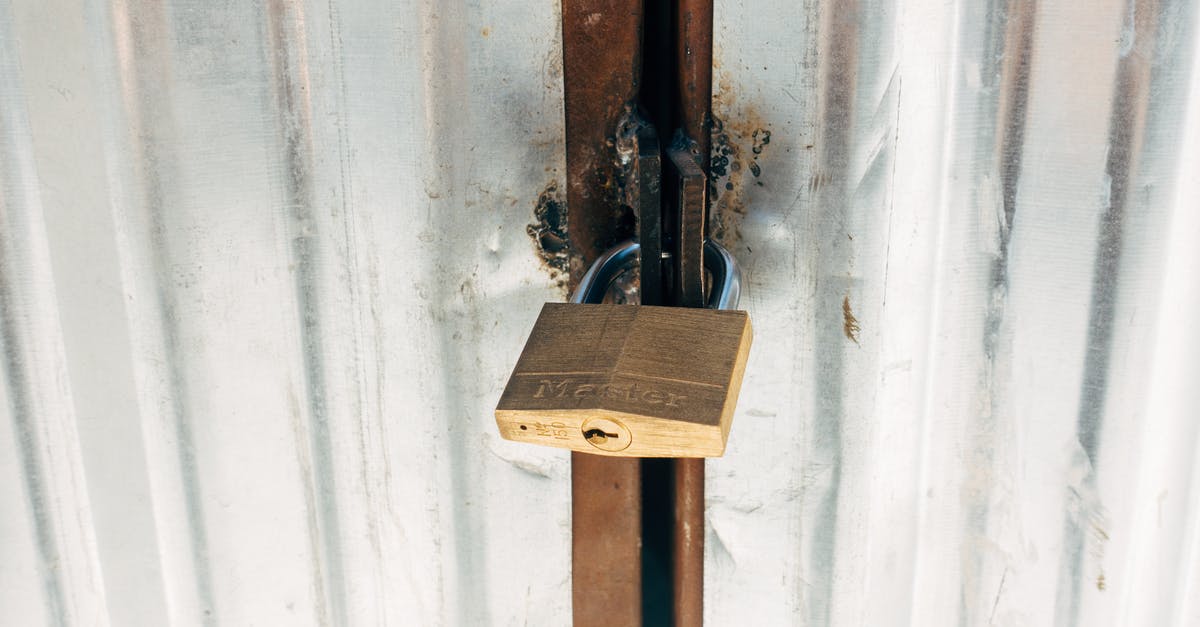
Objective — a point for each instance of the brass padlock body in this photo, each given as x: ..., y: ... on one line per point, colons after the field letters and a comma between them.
x: 666, y: 379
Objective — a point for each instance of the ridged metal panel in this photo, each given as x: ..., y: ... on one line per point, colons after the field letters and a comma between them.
x: 970, y: 255
x: 263, y: 270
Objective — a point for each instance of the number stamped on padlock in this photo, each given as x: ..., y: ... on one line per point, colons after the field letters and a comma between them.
x: 628, y: 380
x: 556, y: 430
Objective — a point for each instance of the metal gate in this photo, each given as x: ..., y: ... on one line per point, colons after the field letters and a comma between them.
x: 264, y: 270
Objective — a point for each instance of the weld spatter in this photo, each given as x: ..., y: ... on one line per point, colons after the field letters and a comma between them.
x: 733, y: 170
x: 549, y: 234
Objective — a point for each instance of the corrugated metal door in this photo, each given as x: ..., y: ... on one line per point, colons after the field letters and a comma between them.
x: 264, y: 269
x: 971, y: 249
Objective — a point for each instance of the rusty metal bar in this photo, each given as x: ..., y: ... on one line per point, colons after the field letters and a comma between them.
x: 601, y: 70
x: 644, y: 194
x: 606, y: 552
x: 601, y: 67
x: 690, y: 194
x: 688, y: 536
x: 694, y: 35
x: 602, y: 63
x: 688, y: 590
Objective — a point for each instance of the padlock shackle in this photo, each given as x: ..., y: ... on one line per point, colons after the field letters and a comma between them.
x: 726, y: 276
x: 607, y: 267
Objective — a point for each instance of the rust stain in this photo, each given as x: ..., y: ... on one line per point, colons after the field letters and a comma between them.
x: 549, y: 233
x: 849, y: 322
x: 1097, y: 542
x: 485, y: 31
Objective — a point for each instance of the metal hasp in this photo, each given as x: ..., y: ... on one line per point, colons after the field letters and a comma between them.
x: 621, y: 56
x: 601, y: 68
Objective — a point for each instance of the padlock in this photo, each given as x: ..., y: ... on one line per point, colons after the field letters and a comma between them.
x: 631, y: 380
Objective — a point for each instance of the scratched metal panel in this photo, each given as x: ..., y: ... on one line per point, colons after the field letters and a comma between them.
x: 263, y: 270
x: 970, y: 250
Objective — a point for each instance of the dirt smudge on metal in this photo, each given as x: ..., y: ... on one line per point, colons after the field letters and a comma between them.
x: 549, y: 233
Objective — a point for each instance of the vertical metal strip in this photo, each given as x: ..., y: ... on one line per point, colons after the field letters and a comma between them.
x: 688, y: 597
x: 644, y: 194
x: 606, y: 542
x: 694, y: 36
x: 601, y: 68
x: 690, y: 197
x: 694, y: 24
x: 688, y: 535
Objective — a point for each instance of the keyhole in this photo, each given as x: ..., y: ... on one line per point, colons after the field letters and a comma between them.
x: 606, y: 434
x: 599, y: 436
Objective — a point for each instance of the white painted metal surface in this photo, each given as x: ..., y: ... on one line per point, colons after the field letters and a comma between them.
x: 263, y: 270
x: 1004, y: 196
